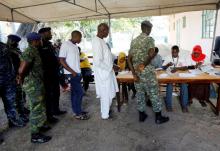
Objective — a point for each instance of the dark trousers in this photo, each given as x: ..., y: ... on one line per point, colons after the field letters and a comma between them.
x: 76, y: 94
x: 8, y: 94
x: 87, y: 77
x: 52, y: 96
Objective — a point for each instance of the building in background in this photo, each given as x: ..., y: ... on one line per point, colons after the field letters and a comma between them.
x: 191, y: 28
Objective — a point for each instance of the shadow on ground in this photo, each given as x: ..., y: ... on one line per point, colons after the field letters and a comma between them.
x: 197, y: 130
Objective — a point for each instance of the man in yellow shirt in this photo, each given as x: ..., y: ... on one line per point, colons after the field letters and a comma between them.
x: 85, y: 70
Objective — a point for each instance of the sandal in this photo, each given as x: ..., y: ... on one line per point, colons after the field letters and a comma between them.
x: 82, y: 117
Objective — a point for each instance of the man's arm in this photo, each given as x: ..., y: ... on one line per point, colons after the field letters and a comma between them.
x: 151, y: 55
x: 65, y: 65
x: 130, y: 65
x: 22, y: 71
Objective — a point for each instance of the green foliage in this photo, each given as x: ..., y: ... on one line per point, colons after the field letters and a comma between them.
x: 89, y: 27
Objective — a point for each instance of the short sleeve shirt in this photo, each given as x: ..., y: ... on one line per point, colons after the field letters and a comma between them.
x: 140, y: 47
x: 35, y: 73
x: 70, y: 52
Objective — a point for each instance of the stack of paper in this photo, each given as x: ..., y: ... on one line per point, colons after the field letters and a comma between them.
x: 186, y: 75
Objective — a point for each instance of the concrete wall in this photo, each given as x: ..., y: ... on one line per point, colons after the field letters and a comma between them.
x: 192, y: 33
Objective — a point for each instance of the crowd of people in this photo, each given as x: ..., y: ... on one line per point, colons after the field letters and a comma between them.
x: 36, y: 74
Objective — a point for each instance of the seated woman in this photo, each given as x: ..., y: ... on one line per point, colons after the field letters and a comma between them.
x: 85, y: 70
x: 199, y: 91
x: 121, y: 61
x: 174, y: 63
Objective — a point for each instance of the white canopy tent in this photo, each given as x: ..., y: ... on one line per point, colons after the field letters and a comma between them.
x: 30, y: 11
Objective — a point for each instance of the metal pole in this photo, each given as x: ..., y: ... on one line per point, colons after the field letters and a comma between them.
x: 214, y: 35
x: 110, y: 34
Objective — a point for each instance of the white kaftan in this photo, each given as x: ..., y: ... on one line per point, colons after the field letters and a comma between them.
x: 105, y: 80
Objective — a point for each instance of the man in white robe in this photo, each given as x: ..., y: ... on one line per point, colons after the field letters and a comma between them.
x: 105, y: 80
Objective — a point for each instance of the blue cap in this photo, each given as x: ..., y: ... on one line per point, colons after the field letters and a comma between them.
x: 14, y: 38
x: 33, y: 36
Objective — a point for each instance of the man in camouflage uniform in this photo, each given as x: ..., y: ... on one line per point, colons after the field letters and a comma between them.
x: 15, y: 53
x: 140, y: 55
x: 8, y: 87
x: 31, y: 75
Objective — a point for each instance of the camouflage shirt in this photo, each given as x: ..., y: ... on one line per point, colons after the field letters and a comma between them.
x: 35, y: 72
x: 140, y: 47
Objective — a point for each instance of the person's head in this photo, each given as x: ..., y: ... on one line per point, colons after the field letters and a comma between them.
x: 34, y: 39
x: 45, y: 33
x: 175, y: 51
x: 76, y: 36
x: 13, y: 41
x: 156, y: 50
x: 197, y: 54
x: 122, y: 57
x: 146, y: 27
x: 103, y: 30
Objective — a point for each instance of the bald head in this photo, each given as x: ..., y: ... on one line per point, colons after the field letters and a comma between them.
x: 103, y: 30
x: 76, y: 36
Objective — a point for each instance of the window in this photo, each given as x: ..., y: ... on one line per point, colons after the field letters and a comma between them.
x: 208, y: 21
x: 184, y: 22
x: 174, y: 26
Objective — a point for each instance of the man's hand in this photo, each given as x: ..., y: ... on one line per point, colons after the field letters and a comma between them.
x: 19, y: 80
x: 136, y: 78
x: 198, y: 64
x: 74, y: 74
x: 151, y: 53
x: 169, y: 64
x: 140, y: 67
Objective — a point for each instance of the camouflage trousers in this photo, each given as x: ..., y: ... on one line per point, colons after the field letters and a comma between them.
x: 148, y: 84
x: 20, y: 99
x: 35, y: 93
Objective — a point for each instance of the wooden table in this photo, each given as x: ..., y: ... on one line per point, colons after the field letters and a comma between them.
x: 175, y: 78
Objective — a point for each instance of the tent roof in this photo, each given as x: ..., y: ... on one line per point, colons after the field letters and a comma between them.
x: 61, y: 10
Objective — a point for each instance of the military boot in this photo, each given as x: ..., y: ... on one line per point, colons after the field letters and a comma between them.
x: 40, y: 138
x: 159, y: 119
x: 142, y: 116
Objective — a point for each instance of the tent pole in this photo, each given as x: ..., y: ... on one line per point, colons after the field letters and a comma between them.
x: 110, y: 34
x: 214, y: 34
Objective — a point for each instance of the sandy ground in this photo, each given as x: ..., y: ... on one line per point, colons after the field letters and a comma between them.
x: 197, y: 130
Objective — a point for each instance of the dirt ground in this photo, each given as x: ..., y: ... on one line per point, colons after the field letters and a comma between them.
x: 197, y: 130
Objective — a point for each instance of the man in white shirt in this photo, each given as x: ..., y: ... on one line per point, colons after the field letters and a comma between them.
x: 105, y: 80
x: 174, y: 63
x: 70, y: 60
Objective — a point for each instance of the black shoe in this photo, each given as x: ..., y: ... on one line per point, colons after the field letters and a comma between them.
x: 15, y: 123
x: 159, y: 119
x: 45, y: 128
x: 40, y: 138
x: 142, y: 116
x: 60, y: 113
x: 52, y: 120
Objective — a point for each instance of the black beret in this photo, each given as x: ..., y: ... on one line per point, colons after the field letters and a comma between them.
x: 33, y: 36
x: 14, y: 38
x: 43, y: 30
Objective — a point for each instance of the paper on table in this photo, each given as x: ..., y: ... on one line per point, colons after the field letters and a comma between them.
x: 123, y: 72
x: 163, y: 75
x: 186, y: 75
x: 195, y: 72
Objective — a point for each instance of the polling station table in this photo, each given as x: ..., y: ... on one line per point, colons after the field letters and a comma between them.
x: 178, y: 77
